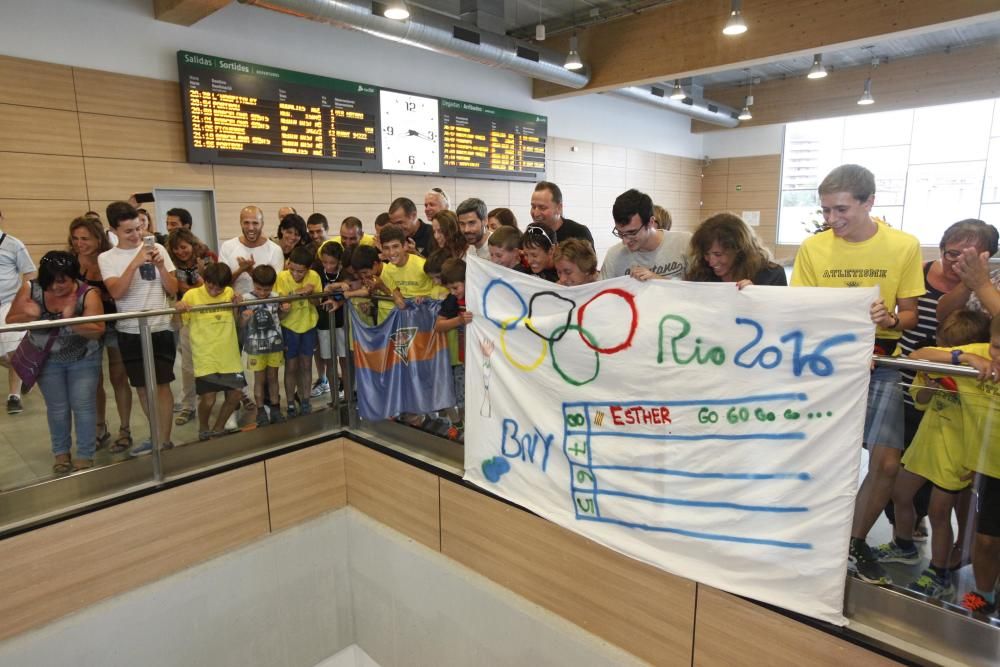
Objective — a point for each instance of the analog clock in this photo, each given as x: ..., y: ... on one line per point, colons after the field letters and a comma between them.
x: 409, y: 132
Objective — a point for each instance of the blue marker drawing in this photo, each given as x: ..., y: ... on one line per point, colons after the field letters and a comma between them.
x: 612, y: 449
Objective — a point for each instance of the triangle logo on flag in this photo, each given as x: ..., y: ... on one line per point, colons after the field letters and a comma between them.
x: 402, y: 339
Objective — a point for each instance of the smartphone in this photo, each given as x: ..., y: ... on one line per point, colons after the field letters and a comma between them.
x: 143, y: 197
x: 147, y: 271
x: 149, y: 241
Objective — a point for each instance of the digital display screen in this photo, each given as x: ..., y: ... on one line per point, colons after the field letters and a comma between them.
x: 254, y: 115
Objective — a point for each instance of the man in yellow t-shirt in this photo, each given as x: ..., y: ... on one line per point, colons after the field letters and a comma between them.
x: 981, y: 417
x: 404, y: 274
x: 352, y: 234
x: 298, y: 327
x: 856, y: 251
x: 215, y: 350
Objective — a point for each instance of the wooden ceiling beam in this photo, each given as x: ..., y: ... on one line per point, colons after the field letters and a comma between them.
x: 186, y: 12
x: 685, y: 38
x: 940, y: 78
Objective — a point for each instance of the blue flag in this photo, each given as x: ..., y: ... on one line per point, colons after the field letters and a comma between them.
x: 402, y: 364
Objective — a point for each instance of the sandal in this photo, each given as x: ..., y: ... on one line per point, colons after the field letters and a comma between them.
x: 103, y: 437
x: 123, y: 443
x: 62, y: 464
x: 82, y: 464
x: 183, y: 417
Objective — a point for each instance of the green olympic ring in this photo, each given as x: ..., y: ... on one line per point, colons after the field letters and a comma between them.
x: 556, y: 335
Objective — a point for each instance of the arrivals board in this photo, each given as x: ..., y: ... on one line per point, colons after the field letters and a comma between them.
x: 482, y: 140
x: 242, y: 113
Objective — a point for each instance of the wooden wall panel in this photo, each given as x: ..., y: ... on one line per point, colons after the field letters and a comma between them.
x: 112, y: 179
x: 642, y: 609
x: 33, y: 130
x: 414, y: 187
x: 252, y: 184
x: 753, y: 201
x: 306, y: 483
x: 36, y: 84
x: 397, y: 494
x: 367, y: 213
x: 347, y: 188
x: 494, y: 193
x: 39, y: 221
x: 691, y: 166
x: 770, y: 164
x: 759, y: 180
x: 129, y: 96
x: 53, y: 571
x: 132, y: 138
x: 32, y: 176
x: 732, y: 631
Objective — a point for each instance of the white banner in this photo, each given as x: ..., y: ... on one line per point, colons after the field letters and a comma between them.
x: 711, y: 432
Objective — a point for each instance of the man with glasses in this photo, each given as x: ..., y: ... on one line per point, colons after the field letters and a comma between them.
x: 547, y: 209
x: 645, y: 252
x: 856, y: 251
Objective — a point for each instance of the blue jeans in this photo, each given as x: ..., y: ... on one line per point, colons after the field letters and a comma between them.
x: 70, y: 391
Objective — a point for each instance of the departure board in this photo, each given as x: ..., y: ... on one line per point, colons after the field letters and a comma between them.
x: 486, y: 141
x: 242, y: 113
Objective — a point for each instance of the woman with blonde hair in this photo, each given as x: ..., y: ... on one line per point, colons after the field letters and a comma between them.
x: 725, y: 250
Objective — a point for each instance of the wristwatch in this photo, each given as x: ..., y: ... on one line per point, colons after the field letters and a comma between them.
x: 955, y: 354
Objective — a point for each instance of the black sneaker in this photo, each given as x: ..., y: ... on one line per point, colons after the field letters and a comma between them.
x: 864, y: 564
x: 14, y: 406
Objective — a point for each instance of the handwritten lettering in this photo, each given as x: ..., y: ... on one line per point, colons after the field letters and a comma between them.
x: 514, y: 445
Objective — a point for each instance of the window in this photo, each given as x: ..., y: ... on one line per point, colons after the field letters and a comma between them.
x: 933, y: 166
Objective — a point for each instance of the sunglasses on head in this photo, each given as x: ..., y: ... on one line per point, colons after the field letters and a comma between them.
x: 541, y: 233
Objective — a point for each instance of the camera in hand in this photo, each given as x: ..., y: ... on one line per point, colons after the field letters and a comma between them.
x: 147, y: 270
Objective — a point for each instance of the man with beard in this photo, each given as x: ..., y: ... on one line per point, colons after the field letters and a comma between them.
x: 250, y: 249
x: 472, y: 223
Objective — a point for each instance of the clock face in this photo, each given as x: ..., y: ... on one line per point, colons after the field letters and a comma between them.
x: 409, y: 132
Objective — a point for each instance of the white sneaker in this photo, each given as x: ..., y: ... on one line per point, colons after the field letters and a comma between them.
x: 232, y: 424
x: 319, y: 388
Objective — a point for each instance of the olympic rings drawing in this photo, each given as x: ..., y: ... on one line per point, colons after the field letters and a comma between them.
x: 532, y: 311
x: 633, y: 325
x: 514, y: 362
x: 512, y: 321
x: 592, y: 344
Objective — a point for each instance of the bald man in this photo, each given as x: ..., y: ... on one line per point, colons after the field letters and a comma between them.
x: 249, y: 249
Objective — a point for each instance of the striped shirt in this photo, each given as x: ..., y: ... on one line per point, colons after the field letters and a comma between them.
x: 925, y: 333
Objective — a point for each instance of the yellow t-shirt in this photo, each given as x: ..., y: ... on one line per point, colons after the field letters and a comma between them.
x: 214, y: 347
x: 302, y: 315
x: 980, y: 417
x: 890, y: 260
x: 410, y: 278
x: 367, y: 239
x: 937, y: 452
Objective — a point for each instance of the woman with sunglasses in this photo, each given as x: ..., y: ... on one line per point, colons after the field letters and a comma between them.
x: 70, y: 374
x: 87, y: 240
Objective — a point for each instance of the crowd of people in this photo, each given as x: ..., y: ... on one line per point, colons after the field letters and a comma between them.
x: 925, y: 450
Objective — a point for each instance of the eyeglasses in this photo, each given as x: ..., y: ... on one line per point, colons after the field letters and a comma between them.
x: 951, y: 255
x: 59, y: 261
x: 536, y: 230
x: 628, y: 235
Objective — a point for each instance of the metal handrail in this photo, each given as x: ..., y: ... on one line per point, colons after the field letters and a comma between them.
x: 925, y: 366
x: 145, y: 314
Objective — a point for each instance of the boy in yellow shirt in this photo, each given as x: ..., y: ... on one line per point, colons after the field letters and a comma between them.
x: 981, y: 422
x: 298, y: 327
x: 403, y: 275
x: 215, y: 350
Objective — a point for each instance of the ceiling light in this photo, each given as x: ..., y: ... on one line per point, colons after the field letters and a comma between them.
x: 745, y: 113
x: 817, y: 71
x: 540, y: 32
x: 735, y: 25
x: 573, y: 58
x: 866, y: 97
x: 396, y: 10
x: 678, y: 92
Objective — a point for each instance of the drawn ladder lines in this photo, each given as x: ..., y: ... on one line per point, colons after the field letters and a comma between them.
x: 700, y: 535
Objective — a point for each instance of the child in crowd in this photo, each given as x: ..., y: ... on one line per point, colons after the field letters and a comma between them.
x: 298, y: 328
x: 367, y: 265
x: 575, y: 262
x: 331, y: 343
x: 263, y: 343
x: 215, y: 347
x: 505, y: 247
x: 452, y: 318
x: 190, y: 257
x: 404, y: 275
x: 936, y: 455
x: 538, y: 244
x: 980, y: 411
x: 432, y: 267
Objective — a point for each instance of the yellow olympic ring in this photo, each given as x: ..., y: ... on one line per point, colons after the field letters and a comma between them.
x: 514, y: 362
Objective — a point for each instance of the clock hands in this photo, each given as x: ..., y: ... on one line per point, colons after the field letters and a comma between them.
x: 429, y: 136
